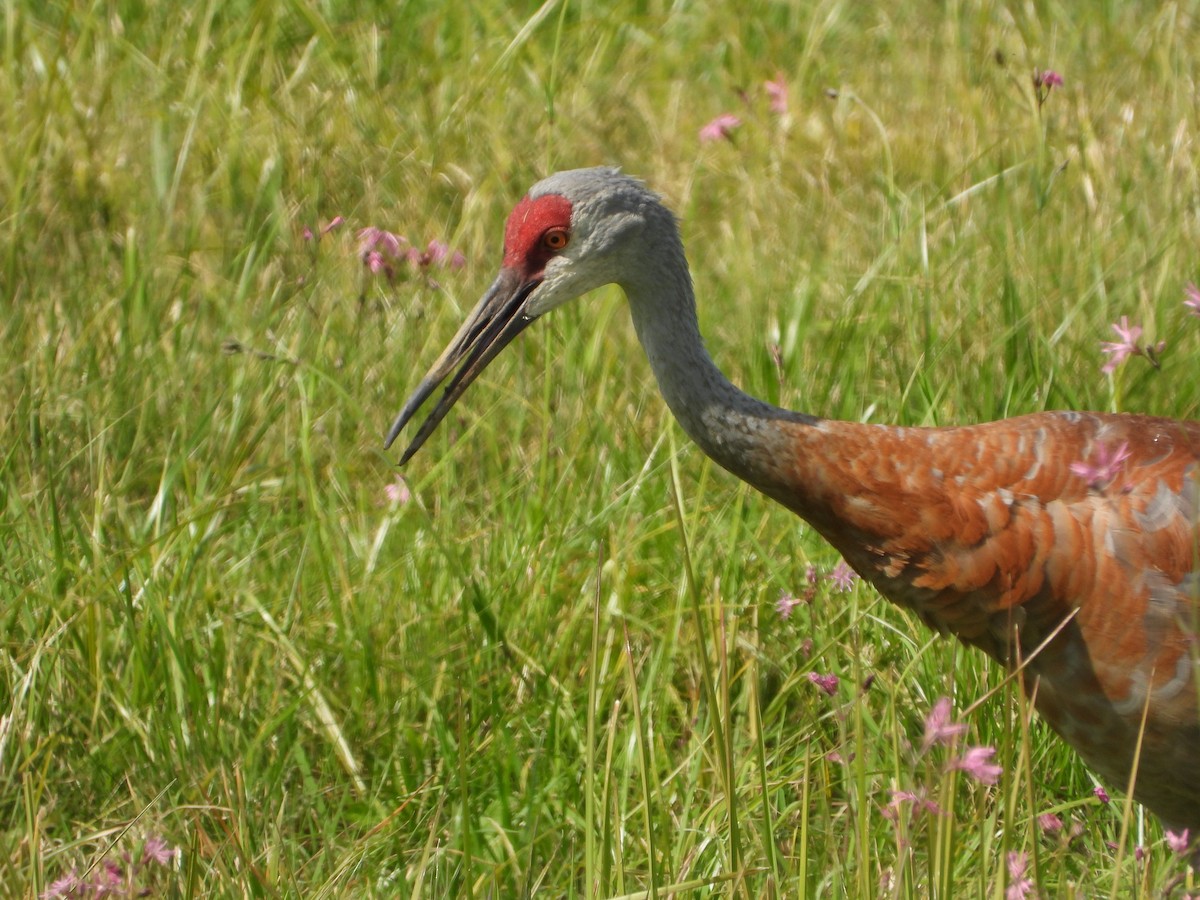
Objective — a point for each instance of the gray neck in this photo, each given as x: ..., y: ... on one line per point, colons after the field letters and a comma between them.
x: 733, y: 428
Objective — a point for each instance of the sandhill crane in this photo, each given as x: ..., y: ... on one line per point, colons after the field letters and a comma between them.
x: 1089, y: 577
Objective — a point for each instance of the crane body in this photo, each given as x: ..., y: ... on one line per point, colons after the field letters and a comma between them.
x: 1000, y: 534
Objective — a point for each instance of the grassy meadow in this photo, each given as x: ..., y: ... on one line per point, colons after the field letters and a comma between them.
x: 241, y: 658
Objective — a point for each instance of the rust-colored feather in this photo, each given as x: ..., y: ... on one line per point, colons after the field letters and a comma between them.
x: 987, y: 534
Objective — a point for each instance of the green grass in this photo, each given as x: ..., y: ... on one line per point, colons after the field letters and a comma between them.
x: 216, y: 627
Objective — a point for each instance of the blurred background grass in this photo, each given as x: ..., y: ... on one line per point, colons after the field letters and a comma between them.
x: 220, y: 629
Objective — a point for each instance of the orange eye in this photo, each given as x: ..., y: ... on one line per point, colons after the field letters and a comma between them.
x: 555, y: 239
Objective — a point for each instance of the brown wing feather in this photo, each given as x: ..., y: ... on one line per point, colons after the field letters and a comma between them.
x: 987, y: 534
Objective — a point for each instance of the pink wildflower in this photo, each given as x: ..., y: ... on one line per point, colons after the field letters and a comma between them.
x: 1101, y: 794
x: 939, y: 729
x: 437, y: 251
x: 63, y: 887
x: 920, y: 804
x: 1109, y: 462
x: 377, y: 264
x: 157, y: 850
x: 722, y: 126
x: 1118, y: 350
x: 397, y: 492
x: 1047, y: 79
x: 109, y: 878
x: 1179, y: 842
x: 778, y: 93
x: 1018, y: 885
x: 1193, y: 299
x: 976, y: 762
x: 785, y: 604
x: 827, y: 683
x: 842, y: 576
x: 334, y: 223
x: 1043, y: 83
x: 385, y: 242
x: 1050, y: 823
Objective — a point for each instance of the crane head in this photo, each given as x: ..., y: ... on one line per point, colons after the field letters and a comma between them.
x: 570, y: 234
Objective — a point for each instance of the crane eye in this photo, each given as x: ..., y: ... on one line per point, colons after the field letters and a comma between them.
x: 556, y: 239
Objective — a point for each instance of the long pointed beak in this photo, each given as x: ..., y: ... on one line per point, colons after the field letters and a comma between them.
x: 496, y: 320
